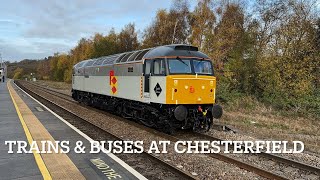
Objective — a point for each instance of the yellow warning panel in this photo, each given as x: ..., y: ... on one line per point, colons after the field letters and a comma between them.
x: 113, y: 85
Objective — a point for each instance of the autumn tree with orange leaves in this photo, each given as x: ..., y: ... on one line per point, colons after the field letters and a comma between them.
x: 268, y: 49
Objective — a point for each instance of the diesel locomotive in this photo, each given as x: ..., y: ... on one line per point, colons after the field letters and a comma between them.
x: 167, y: 87
x: 3, y: 71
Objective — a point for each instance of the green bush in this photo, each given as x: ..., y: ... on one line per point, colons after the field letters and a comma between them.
x: 284, y: 102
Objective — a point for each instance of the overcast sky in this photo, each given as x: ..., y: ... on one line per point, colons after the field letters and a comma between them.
x: 35, y: 29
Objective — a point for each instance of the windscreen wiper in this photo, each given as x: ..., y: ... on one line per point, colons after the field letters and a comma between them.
x: 181, y: 61
x: 200, y: 61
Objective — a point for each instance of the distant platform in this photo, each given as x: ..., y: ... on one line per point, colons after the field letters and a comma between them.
x: 22, y: 118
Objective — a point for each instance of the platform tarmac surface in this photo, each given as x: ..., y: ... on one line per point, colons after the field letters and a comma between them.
x: 13, y: 166
x: 23, y: 119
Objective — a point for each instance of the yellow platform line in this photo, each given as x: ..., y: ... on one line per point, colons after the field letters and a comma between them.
x: 42, y: 167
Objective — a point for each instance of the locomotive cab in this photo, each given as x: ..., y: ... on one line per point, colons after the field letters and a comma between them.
x: 181, y: 77
x: 184, y: 87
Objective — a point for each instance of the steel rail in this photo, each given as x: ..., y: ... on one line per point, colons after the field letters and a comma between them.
x: 274, y: 157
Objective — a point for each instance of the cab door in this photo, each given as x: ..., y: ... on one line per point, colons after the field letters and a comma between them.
x: 158, y: 81
x: 147, y: 69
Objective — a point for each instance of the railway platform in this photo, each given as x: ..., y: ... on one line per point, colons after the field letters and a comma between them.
x: 22, y: 118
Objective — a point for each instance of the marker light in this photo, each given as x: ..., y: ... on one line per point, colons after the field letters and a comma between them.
x: 191, y: 89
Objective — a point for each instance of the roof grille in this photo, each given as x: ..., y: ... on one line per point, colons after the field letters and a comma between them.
x: 188, y: 48
x: 141, y: 54
x: 125, y: 58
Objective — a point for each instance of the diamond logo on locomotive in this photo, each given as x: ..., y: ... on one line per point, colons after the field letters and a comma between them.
x: 157, y: 89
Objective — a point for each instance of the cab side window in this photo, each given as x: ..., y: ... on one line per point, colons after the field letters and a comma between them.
x: 147, y: 72
x: 147, y: 69
x: 159, y: 67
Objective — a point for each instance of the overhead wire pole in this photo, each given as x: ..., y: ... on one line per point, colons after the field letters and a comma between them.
x: 2, y: 64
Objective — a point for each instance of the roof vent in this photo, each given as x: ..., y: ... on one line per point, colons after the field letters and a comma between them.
x: 185, y: 47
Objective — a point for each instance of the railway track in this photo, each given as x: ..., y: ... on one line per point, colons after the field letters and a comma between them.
x: 252, y: 168
x: 268, y: 156
x: 85, y: 127
x: 240, y: 164
x: 53, y: 92
x: 274, y: 157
